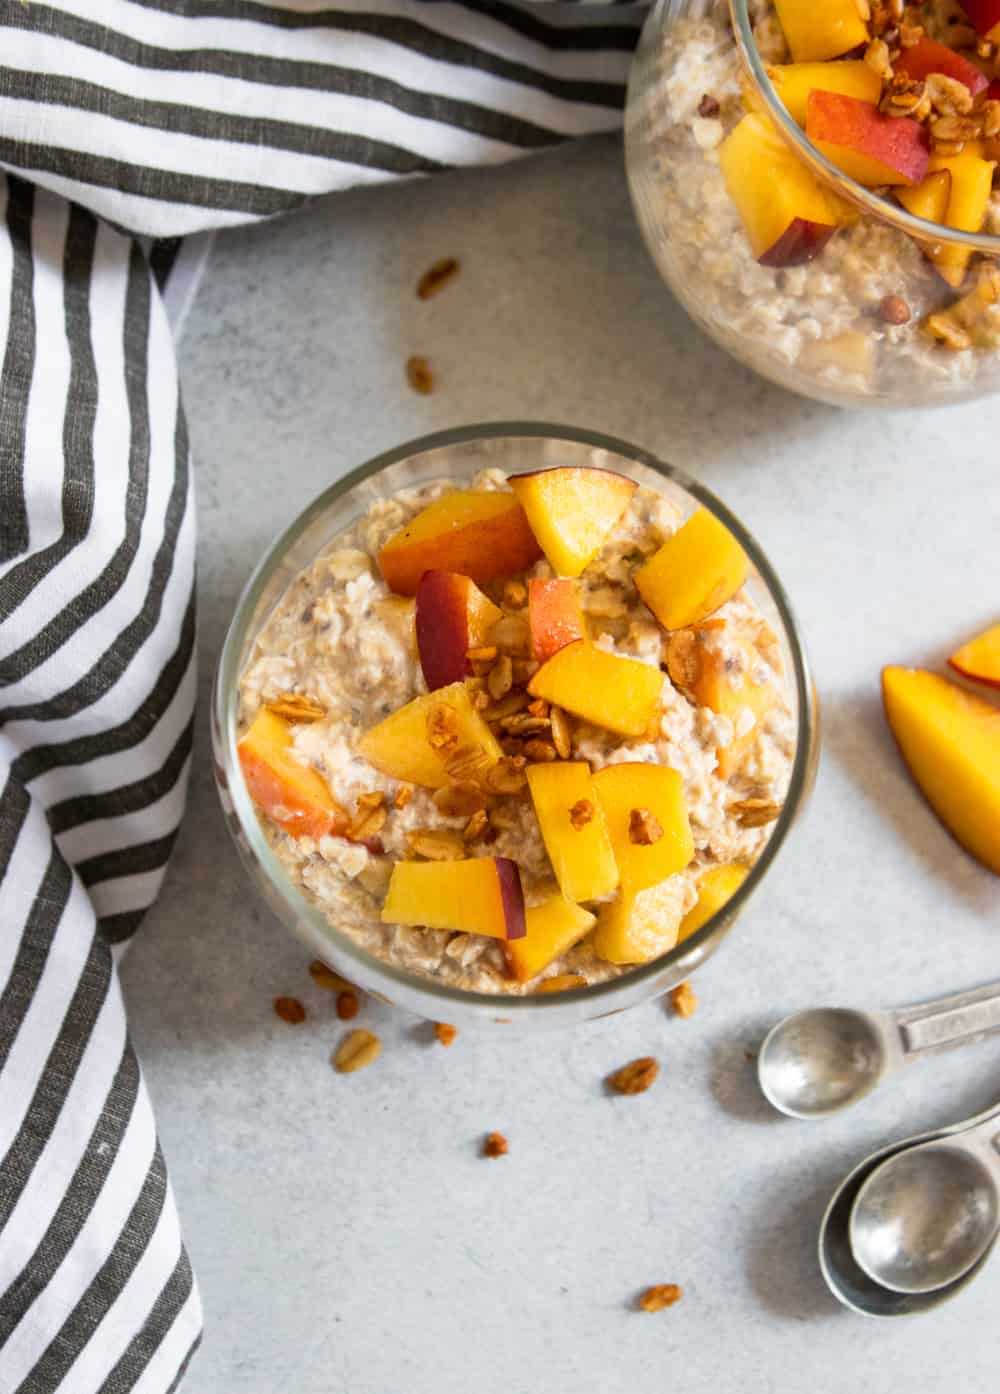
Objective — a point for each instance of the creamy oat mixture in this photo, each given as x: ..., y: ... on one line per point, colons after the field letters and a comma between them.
x: 340, y: 638
x: 820, y: 319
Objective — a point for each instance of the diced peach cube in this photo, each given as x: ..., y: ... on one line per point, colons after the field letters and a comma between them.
x: 718, y: 885
x: 573, y: 830
x: 408, y: 746
x: 637, y: 927
x: 555, y: 616
x: 979, y: 659
x: 453, y: 616
x: 552, y: 929
x: 291, y: 794
x: 696, y: 570
x: 626, y: 788
x: 968, y: 200
x: 727, y: 683
x: 817, y: 31
x: 929, y: 198
x: 482, y: 895
x: 478, y: 532
x: 794, y: 81
x: 868, y: 146
x: 572, y: 510
x: 927, y: 56
x: 619, y: 694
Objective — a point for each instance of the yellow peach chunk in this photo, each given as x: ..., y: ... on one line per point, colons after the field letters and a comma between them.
x: 718, y: 885
x: 291, y: 794
x: 630, y: 788
x: 968, y: 200
x: 427, y: 741
x: 726, y: 682
x: 573, y: 830
x: 620, y: 694
x: 481, y: 895
x: 553, y: 928
x: 572, y: 509
x: 950, y: 739
x: 480, y: 533
x: 818, y: 31
x: 696, y: 570
x: 929, y: 198
x: 794, y: 81
x: 637, y: 927
x: 979, y: 659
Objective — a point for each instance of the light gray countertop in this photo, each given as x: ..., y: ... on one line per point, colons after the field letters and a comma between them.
x: 347, y: 1236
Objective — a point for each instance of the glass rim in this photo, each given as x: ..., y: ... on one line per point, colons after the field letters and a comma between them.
x: 920, y: 228
x: 225, y: 705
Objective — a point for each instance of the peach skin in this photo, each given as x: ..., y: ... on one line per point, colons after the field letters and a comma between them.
x: 480, y: 533
x: 291, y: 794
x: 555, y: 617
x: 869, y: 147
x: 979, y: 659
x: 453, y: 616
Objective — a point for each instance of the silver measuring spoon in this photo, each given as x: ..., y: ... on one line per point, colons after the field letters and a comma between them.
x: 927, y: 1215
x: 848, y: 1282
x: 819, y: 1061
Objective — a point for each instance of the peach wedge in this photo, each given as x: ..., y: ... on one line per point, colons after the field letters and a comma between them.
x: 950, y: 739
x: 696, y: 570
x: 637, y: 927
x: 817, y: 31
x: 573, y: 830
x: 453, y: 616
x: 572, y: 509
x: 629, y: 789
x: 620, y: 694
x: 291, y: 794
x: 555, y: 617
x: 718, y: 886
x: 552, y: 928
x: 434, y: 740
x: 481, y: 895
x: 478, y: 532
x: 979, y: 659
x: 868, y: 146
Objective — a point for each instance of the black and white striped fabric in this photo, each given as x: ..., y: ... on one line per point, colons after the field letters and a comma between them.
x: 124, y: 120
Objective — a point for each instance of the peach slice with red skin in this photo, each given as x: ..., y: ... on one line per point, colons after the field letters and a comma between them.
x: 818, y: 31
x: 984, y: 16
x: 572, y: 510
x: 555, y: 616
x: 627, y: 786
x: 400, y: 745
x: 696, y: 570
x: 291, y: 794
x: 578, y: 845
x: 979, y: 659
x: 481, y: 895
x: 453, y: 616
x: 620, y: 694
x: 479, y: 532
x: 871, y: 148
x: 794, y: 81
x: 928, y: 56
x: 950, y: 739
x: 552, y: 929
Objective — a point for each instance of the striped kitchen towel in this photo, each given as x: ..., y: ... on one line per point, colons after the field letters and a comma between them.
x: 124, y: 120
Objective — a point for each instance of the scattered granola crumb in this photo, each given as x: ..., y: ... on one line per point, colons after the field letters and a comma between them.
x: 347, y: 1005
x: 495, y: 1145
x: 661, y: 1295
x: 754, y: 813
x: 437, y: 277
x: 684, y: 1000
x: 293, y: 707
x: 635, y: 1077
x: 290, y: 1009
x: 445, y: 1032
x: 402, y: 796
x: 356, y: 1050
x: 515, y: 594
x: 894, y: 309
x: 581, y: 813
x: 644, y: 828
x: 326, y: 978
x: 419, y: 375
x: 708, y: 106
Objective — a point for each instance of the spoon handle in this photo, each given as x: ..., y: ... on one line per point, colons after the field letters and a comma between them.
x: 948, y: 1021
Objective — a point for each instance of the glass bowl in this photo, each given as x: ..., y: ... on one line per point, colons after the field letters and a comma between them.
x: 822, y: 328
x: 457, y: 455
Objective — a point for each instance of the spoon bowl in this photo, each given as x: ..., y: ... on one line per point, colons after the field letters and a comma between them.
x: 819, y: 1061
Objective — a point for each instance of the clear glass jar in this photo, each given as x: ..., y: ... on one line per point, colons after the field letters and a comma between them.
x: 457, y: 456
x: 822, y: 328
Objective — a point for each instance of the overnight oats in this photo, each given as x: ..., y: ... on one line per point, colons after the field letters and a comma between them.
x: 519, y: 734
x: 824, y: 293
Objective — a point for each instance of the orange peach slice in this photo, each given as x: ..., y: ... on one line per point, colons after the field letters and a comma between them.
x: 950, y: 739
x: 573, y: 830
x: 821, y: 31
x: 869, y: 147
x: 401, y: 746
x: 637, y: 927
x: 968, y: 200
x: 696, y: 570
x: 620, y: 694
x: 482, y: 895
x: 622, y: 789
x: 718, y: 885
x: 453, y: 616
x: 979, y: 659
x: 480, y: 533
x: 552, y: 929
x: 572, y: 510
x: 291, y: 794
x: 730, y: 689
x: 927, y: 56
x: 555, y: 616
x: 786, y: 214
x: 794, y: 81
